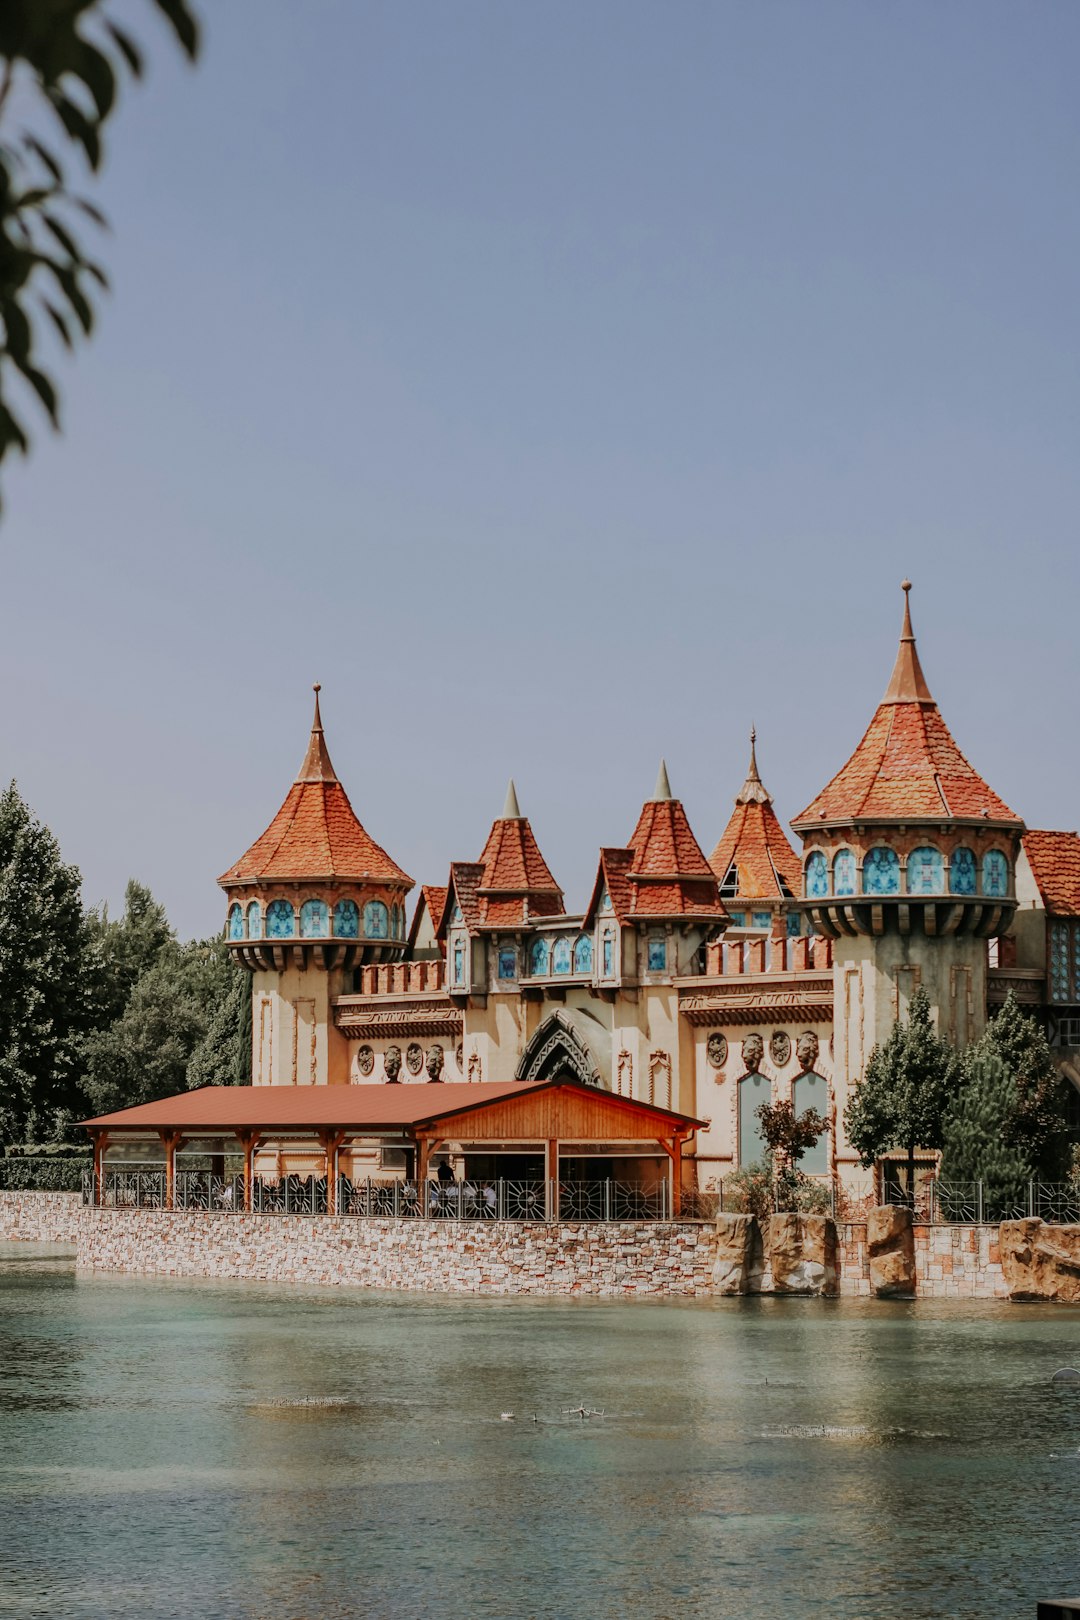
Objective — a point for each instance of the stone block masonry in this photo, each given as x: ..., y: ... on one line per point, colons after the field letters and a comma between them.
x: 40, y: 1217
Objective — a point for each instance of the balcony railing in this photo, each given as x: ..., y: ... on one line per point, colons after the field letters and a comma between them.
x: 975, y: 1203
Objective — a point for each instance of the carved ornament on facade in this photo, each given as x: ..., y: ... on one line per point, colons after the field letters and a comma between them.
x: 716, y: 1050
x: 753, y: 1051
x: 807, y: 1048
x: 625, y: 1072
x: 435, y: 1059
x: 365, y: 1061
x: 780, y: 1048
x: 414, y: 1057
x: 476, y: 1067
x: 392, y: 1063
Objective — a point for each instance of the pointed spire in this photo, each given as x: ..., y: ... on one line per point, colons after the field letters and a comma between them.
x: 908, y: 684
x: 317, y: 766
x: 662, y: 789
x: 511, y: 809
x: 753, y: 789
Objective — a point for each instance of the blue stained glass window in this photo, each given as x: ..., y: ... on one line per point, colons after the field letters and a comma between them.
x: 962, y: 872
x: 459, y: 961
x: 753, y: 1091
x: 254, y: 920
x: 455, y: 915
x: 560, y: 956
x: 843, y: 871
x: 794, y: 924
x: 811, y: 1091
x: 236, y: 923
x: 657, y: 959
x: 583, y: 955
x: 346, y: 919
x: 375, y: 920
x: 925, y: 871
x: 314, y: 919
x: 817, y: 876
x: 1059, y: 961
x: 280, y: 920
x: 738, y: 919
x: 995, y: 874
x: 539, y: 958
x: 881, y: 871
x: 1076, y: 961
x: 605, y: 901
x: 762, y: 919
x: 507, y: 962
x: 608, y: 954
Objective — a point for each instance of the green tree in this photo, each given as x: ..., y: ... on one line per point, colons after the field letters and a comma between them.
x: 906, y: 1094
x: 976, y: 1140
x: 787, y: 1137
x: 45, y: 991
x: 60, y: 64
x: 127, y: 948
x: 223, y: 1056
x: 145, y: 1053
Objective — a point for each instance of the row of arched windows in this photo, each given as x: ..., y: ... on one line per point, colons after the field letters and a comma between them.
x: 379, y: 922
x: 924, y: 872
x: 809, y: 1091
x: 561, y: 955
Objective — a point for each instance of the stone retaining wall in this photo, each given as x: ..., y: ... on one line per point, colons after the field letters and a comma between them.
x: 470, y: 1257
x: 40, y: 1217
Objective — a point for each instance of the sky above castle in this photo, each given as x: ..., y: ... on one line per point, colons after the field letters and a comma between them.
x: 562, y: 386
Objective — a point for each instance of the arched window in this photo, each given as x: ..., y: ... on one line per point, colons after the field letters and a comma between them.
x: 811, y: 1091
x: 314, y: 919
x: 816, y: 876
x: 346, y: 919
x: 843, y: 872
x: 608, y: 953
x: 280, y: 920
x: 881, y: 871
x: 962, y: 871
x: 753, y: 1091
x: 254, y: 920
x: 376, y: 921
x: 995, y: 874
x: 459, y: 961
x: 925, y: 871
x: 656, y: 957
x: 583, y: 955
x: 605, y: 901
x: 1059, y: 961
x: 540, y: 958
x: 236, y: 923
x: 560, y: 956
x: 507, y: 962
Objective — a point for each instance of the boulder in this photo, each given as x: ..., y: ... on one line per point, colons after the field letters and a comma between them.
x: 1040, y: 1261
x: 801, y: 1253
x: 738, y: 1264
x: 890, y: 1245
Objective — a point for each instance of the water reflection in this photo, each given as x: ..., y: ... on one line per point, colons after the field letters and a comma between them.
x: 214, y: 1449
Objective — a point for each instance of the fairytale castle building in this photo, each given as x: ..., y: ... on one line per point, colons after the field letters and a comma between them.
x: 705, y: 985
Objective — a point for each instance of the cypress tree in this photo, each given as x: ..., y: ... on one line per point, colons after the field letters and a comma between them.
x: 977, y: 1145
x: 906, y: 1093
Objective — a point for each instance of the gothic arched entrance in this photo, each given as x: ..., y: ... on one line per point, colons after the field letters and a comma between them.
x: 557, y: 1051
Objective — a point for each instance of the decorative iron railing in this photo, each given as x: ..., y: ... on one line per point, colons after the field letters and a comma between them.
x: 289, y: 1195
x: 974, y: 1203
x: 133, y: 1189
x: 614, y: 1201
x: 200, y: 1189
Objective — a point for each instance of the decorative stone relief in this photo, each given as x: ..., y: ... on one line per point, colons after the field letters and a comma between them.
x: 435, y: 1059
x: 625, y: 1072
x: 660, y: 1079
x: 392, y: 1063
x: 753, y: 1051
x: 780, y: 1048
x: 476, y: 1067
x: 365, y: 1060
x: 459, y: 1058
x: 806, y: 1050
x: 414, y: 1057
x: 716, y: 1050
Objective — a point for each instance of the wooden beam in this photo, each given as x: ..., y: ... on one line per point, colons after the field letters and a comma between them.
x: 170, y: 1140
x: 330, y: 1142
x: 248, y: 1141
x: 551, y: 1160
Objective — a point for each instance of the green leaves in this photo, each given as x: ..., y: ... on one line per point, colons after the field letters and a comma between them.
x: 905, y: 1095
x: 69, y: 55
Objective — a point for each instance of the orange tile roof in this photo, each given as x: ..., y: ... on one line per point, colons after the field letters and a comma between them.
x: 358, y: 1108
x: 1055, y: 864
x: 670, y: 876
x: 907, y: 766
x: 316, y: 833
x: 432, y: 900
x: 612, y: 875
x: 756, y: 845
x: 517, y: 883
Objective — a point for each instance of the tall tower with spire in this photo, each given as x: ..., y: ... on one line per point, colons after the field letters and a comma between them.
x: 909, y: 862
x: 311, y: 900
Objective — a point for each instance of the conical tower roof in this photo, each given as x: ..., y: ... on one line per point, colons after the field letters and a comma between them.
x: 669, y: 875
x: 907, y: 766
x: 755, y: 844
x: 517, y: 883
x: 315, y: 835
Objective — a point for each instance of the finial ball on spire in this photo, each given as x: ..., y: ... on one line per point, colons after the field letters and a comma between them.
x: 905, y: 584
x: 316, y: 687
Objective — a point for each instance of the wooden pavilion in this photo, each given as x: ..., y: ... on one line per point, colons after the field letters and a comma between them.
x: 552, y: 1129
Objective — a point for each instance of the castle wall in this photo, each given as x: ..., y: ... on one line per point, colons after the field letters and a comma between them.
x: 294, y: 1041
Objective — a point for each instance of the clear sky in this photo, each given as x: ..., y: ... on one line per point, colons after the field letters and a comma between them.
x: 562, y: 385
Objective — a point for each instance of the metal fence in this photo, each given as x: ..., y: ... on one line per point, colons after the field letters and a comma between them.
x: 974, y: 1203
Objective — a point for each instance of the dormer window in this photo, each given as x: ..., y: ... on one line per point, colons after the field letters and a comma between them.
x: 455, y: 915
x: 607, y: 949
x: 657, y: 955
x: 730, y: 886
x: 507, y: 962
x: 605, y: 901
x: 459, y: 961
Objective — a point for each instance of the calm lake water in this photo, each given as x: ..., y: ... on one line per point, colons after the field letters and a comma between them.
x: 243, y: 1450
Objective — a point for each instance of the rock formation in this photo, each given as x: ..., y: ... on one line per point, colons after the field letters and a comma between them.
x: 1040, y: 1261
x: 890, y: 1243
x: 738, y: 1265
x: 801, y: 1254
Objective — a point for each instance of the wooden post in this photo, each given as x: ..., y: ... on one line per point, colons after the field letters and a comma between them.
x: 551, y: 1158
x: 101, y: 1143
x: 169, y: 1140
x: 331, y: 1141
x: 248, y: 1140
x: 423, y: 1148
